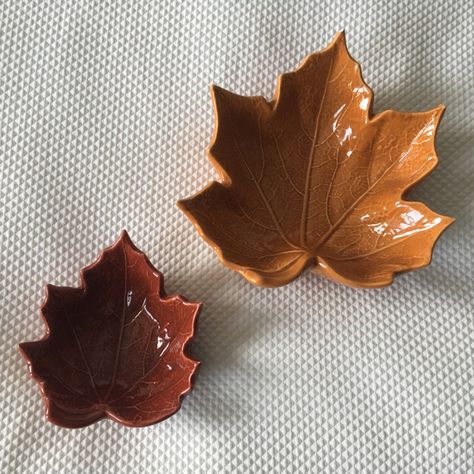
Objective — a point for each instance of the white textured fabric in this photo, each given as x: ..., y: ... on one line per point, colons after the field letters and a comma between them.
x: 105, y: 114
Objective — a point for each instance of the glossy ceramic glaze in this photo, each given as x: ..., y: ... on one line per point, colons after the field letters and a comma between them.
x: 313, y: 179
x: 115, y: 346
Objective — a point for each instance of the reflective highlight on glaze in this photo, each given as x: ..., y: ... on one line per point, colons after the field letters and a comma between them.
x: 114, y: 347
x: 312, y: 178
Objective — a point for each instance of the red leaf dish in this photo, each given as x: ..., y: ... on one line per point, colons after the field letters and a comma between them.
x: 114, y: 347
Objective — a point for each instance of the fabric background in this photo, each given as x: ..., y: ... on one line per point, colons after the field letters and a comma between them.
x: 105, y: 114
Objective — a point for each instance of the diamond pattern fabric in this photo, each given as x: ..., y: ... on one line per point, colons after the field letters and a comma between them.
x: 105, y: 115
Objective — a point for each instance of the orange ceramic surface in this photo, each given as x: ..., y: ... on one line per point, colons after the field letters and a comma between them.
x: 314, y: 179
x: 114, y: 348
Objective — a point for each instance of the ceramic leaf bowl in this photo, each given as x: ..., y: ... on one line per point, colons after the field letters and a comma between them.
x: 114, y: 347
x: 313, y: 179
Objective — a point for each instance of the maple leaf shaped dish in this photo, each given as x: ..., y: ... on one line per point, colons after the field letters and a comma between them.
x: 114, y: 348
x: 312, y: 178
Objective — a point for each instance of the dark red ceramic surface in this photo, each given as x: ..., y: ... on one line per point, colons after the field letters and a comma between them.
x: 114, y: 348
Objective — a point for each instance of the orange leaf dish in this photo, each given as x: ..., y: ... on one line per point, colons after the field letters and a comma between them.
x: 313, y: 179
